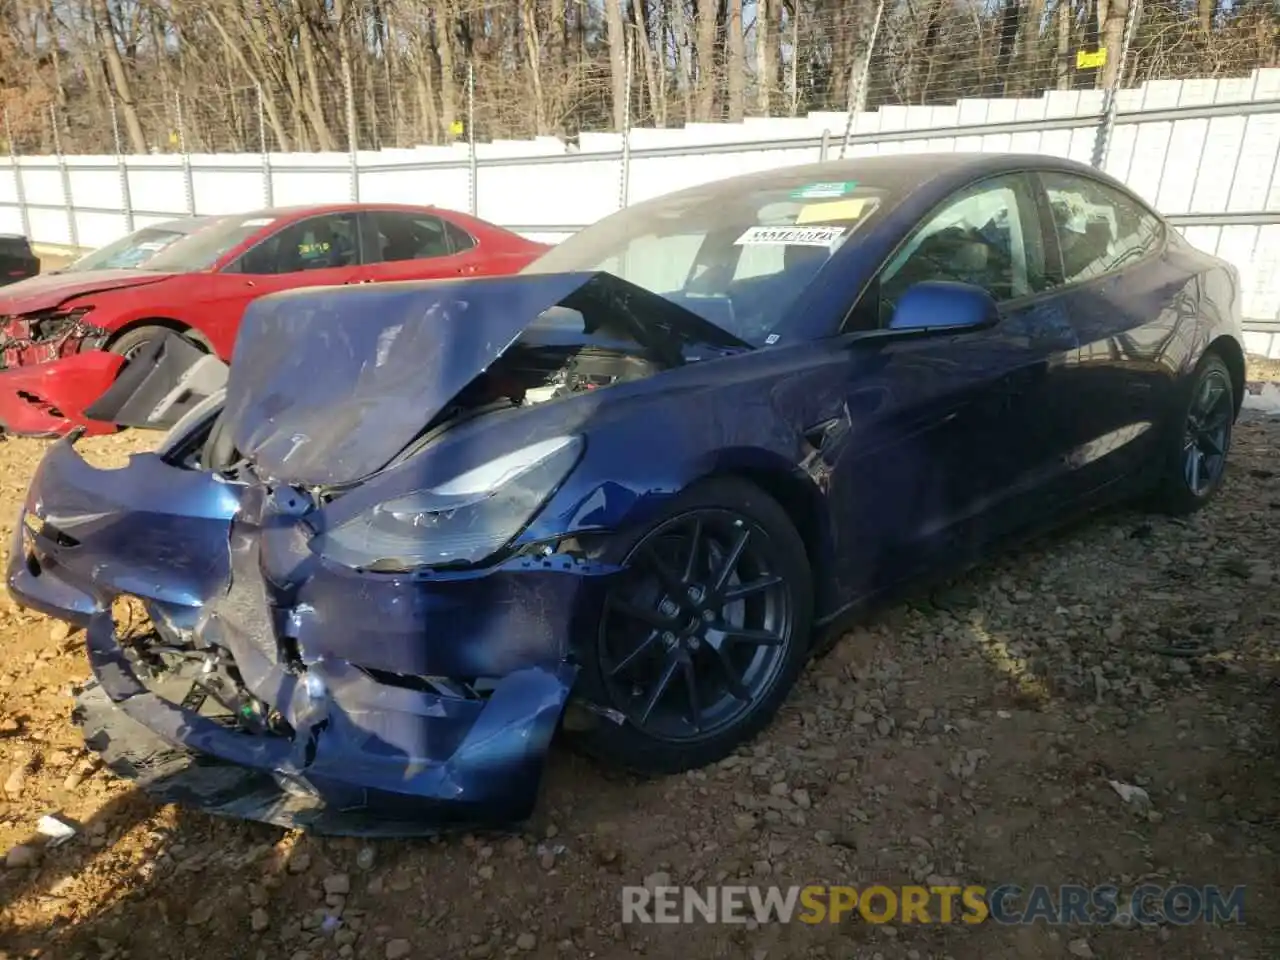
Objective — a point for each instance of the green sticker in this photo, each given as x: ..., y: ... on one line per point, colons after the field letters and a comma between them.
x: 825, y: 191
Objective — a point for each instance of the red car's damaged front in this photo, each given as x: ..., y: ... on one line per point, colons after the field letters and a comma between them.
x: 52, y: 361
x: 65, y: 337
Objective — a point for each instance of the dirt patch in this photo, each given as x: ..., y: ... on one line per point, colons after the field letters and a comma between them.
x: 1262, y: 369
x: 969, y: 734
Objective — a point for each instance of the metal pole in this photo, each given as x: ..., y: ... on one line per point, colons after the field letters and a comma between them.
x: 824, y: 147
x: 72, y: 230
x: 188, y: 180
x: 858, y: 83
x: 1102, y: 143
x: 472, y: 173
x: 268, y: 188
x: 19, y: 190
x: 126, y: 195
x: 624, y: 186
x: 349, y: 88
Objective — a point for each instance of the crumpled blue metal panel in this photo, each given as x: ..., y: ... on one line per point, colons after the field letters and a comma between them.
x: 372, y: 750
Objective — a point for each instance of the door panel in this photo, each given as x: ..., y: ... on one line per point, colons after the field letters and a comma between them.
x: 1121, y: 297
x: 949, y: 442
x: 315, y: 252
x: 943, y: 450
x: 414, y: 246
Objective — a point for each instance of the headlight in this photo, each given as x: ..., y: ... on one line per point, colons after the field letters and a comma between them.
x: 461, y: 521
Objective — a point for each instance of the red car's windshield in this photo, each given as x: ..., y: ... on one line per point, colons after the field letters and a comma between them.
x: 201, y: 250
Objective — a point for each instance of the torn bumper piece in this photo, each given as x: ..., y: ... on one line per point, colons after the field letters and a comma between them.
x: 366, y: 741
x: 49, y: 399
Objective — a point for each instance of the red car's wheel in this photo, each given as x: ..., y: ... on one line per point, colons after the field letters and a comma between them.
x: 130, y: 344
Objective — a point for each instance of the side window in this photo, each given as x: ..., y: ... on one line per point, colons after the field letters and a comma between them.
x: 1098, y: 228
x: 317, y: 243
x: 404, y: 236
x: 987, y: 235
x: 459, y: 239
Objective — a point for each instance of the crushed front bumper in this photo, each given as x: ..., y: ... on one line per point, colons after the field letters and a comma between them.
x: 49, y: 399
x: 351, y: 664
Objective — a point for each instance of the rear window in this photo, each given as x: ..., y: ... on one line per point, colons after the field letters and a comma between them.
x: 15, y: 246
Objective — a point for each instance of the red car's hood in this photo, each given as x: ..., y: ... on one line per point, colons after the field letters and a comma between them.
x: 51, y: 289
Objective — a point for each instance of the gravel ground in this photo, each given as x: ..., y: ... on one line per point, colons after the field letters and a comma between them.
x: 967, y: 733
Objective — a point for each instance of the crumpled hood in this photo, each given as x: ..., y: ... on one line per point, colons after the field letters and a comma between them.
x: 328, y: 384
x: 47, y: 291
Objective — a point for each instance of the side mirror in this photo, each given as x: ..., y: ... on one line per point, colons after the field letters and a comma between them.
x: 943, y: 306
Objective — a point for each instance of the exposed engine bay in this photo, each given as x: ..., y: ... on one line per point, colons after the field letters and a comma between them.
x: 47, y: 335
x: 525, y: 375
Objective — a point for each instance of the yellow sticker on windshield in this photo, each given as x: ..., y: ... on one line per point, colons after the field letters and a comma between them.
x: 837, y: 211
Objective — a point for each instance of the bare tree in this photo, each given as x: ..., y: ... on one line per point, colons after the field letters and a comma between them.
x: 555, y: 66
x: 736, y: 61
x: 617, y: 59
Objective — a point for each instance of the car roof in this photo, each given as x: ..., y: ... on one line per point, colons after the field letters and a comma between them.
x: 310, y: 210
x: 897, y: 173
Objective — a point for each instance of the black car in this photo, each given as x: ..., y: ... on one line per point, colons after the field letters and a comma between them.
x: 17, y: 262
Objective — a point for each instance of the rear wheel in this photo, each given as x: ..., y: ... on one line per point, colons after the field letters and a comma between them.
x: 703, y: 637
x: 1196, y: 458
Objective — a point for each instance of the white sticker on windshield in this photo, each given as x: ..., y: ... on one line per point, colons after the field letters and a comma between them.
x: 791, y: 236
x: 150, y: 246
x: 260, y: 222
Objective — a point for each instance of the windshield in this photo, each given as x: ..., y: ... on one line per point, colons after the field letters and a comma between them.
x: 130, y: 251
x: 202, y: 249
x: 739, y: 260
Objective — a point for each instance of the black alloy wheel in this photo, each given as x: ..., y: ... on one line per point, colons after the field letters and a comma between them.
x: 1194, y: 470
x: 704, y: 635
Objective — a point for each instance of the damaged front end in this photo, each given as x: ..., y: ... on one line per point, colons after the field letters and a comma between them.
x: 349, y: 633
x: 51, y: 368
x: 278, y: 686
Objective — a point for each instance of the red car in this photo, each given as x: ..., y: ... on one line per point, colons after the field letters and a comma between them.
x: 65, y: 336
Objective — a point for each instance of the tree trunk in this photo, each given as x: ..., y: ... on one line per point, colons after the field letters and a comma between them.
x: 1113, y: 40
x: 1010, y: 17
x: 1205, y: 12
x: 617, y: 59
x: 736, y: 55
x: 446, y: 38
x: 558, y: 49
x: 793, y: 65
x: 533, y: 47
x: 1029, y: 50
x: 1062, y: 65
x: 313, y: 104
x: 652, y: 77
x: 764, y: 55
x: 684, y: 59
x: 233, y: 48
x: 705, y: 96
x: 119, y: 77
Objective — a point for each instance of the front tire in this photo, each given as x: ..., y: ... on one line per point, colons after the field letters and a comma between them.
x: 1198, y: 442
x: 703, y: 637
x: 130, y: 344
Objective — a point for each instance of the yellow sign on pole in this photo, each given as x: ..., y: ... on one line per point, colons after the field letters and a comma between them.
x: 456, y: 128
x: 1088, y: 61
x: 173, y: 138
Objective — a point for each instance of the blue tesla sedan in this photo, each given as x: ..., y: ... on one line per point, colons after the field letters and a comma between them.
x: 414, y: 529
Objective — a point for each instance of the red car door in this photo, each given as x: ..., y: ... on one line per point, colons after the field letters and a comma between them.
x: 318, y: 251
x: 403, y: 245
